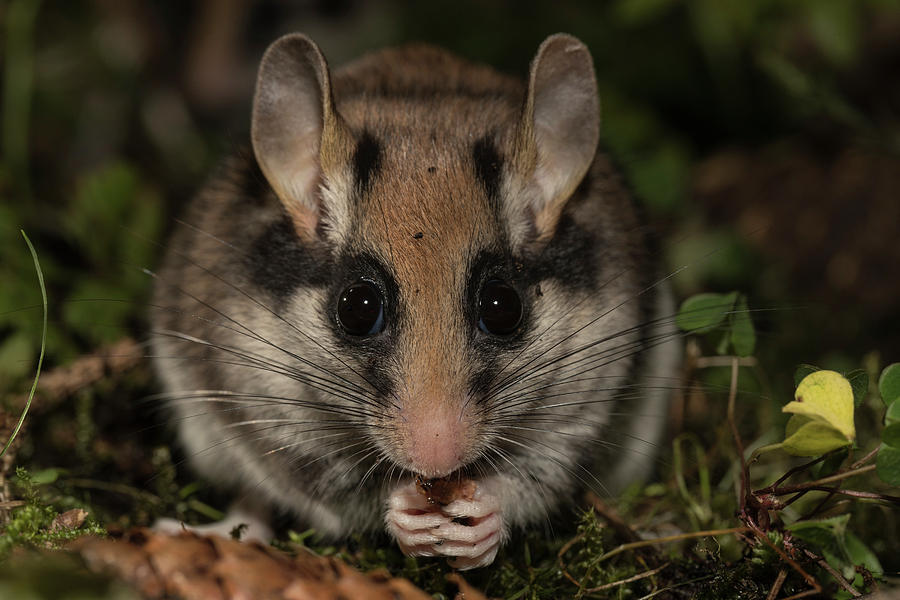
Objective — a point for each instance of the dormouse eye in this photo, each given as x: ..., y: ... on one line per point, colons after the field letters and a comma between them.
x: 499, y: 309
x: 360, y: 309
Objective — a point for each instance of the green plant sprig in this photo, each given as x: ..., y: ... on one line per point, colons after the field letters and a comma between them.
x: 822, y: 427
x: 37, y: 372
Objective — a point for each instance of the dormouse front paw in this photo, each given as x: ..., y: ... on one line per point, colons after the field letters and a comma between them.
x: 468, y: 531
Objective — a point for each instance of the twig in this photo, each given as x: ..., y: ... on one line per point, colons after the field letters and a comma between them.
x: 866, y: 458
x: 559, y: 557
x: 739, y: 445
x: 856, y: 494
x: 634, y: 578
x: 612, y: 517
x: 118, y: 488
x: 810, y: 580
x: 670, y: 538
x: 796, y: 497
x: 821, y: 505
x: 805, y: 594
x: 705, y: 362
x: 776, y: 587
x: 58, y: 384
x: 798, y: 469
x: 837, y: 576
x: 791, y: 489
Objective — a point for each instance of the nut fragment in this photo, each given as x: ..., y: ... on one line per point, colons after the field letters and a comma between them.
x: 445, y: 490
x: 71, y: 519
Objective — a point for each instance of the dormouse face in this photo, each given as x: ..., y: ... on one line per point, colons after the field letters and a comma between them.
x: 430, y: 295
x: 462, y: 236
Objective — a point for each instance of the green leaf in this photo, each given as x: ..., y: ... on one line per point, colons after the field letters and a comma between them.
x: 825, y: 397
x: 828, y: 536
x: 704, y: 312
x: 891, y: 435
x: 840, y: 547
x: 802, y: 371
x: 743, y: 336
x: 860, y: 554
x: 807, y: 437
x: 893, y: 413
x: 859, y: 381
x: 46, y: 476
x: 887, y: 465
x: 889, y: 383
x: 830, y: 465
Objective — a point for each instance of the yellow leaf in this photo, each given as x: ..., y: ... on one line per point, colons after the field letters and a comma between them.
x: 825, y: 397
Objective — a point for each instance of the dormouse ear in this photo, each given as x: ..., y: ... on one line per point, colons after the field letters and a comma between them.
x: 298, y: 136
x: 559, y: 128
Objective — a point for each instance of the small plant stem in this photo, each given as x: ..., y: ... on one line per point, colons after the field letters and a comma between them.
x: 798, y: 469
x: 776, y: 587
x: 837, y: 576
x: 670, y: 538
x: 37, y: 371
x: 866, y: 458
x: 705, y: 362
x: 805, y: 594
x: 739, y: 445
x: 817, y: 508
x: 810, y: 580
x: 857, y: 494
x: 559, y: 558
x: 790, y: 489
x: 116, y: 488
x: 59, y: 383
x: 634, y: 578
x: 612, y: 517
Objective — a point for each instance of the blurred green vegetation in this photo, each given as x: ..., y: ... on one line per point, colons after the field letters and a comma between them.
x: 762, y: 137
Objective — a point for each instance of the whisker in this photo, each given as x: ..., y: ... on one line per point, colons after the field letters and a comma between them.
x: 311, y: 380
x: 272, y: 312
x: 254, y: 400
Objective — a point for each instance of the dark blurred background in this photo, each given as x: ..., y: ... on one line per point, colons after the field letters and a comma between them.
x: 763, y: 138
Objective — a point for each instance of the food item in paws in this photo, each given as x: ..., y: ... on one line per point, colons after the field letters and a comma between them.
x: 445, y: 490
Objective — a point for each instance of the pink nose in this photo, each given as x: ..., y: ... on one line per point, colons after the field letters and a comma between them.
x: 436, y: 441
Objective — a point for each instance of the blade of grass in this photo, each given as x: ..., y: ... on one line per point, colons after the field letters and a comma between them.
x: 37, y: 372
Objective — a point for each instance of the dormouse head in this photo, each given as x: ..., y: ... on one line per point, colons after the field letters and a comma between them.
x: 453, y: 205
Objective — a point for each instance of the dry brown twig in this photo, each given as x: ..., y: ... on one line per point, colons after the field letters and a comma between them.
x: 776, y: 586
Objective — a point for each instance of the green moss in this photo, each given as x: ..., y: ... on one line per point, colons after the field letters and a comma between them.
x: 30, y: 524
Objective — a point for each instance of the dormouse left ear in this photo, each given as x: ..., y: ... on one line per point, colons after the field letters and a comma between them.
x: 558, y: 130
x: 298, y: 136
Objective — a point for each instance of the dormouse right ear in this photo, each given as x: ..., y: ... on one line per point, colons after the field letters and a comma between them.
x: 298, y: 137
